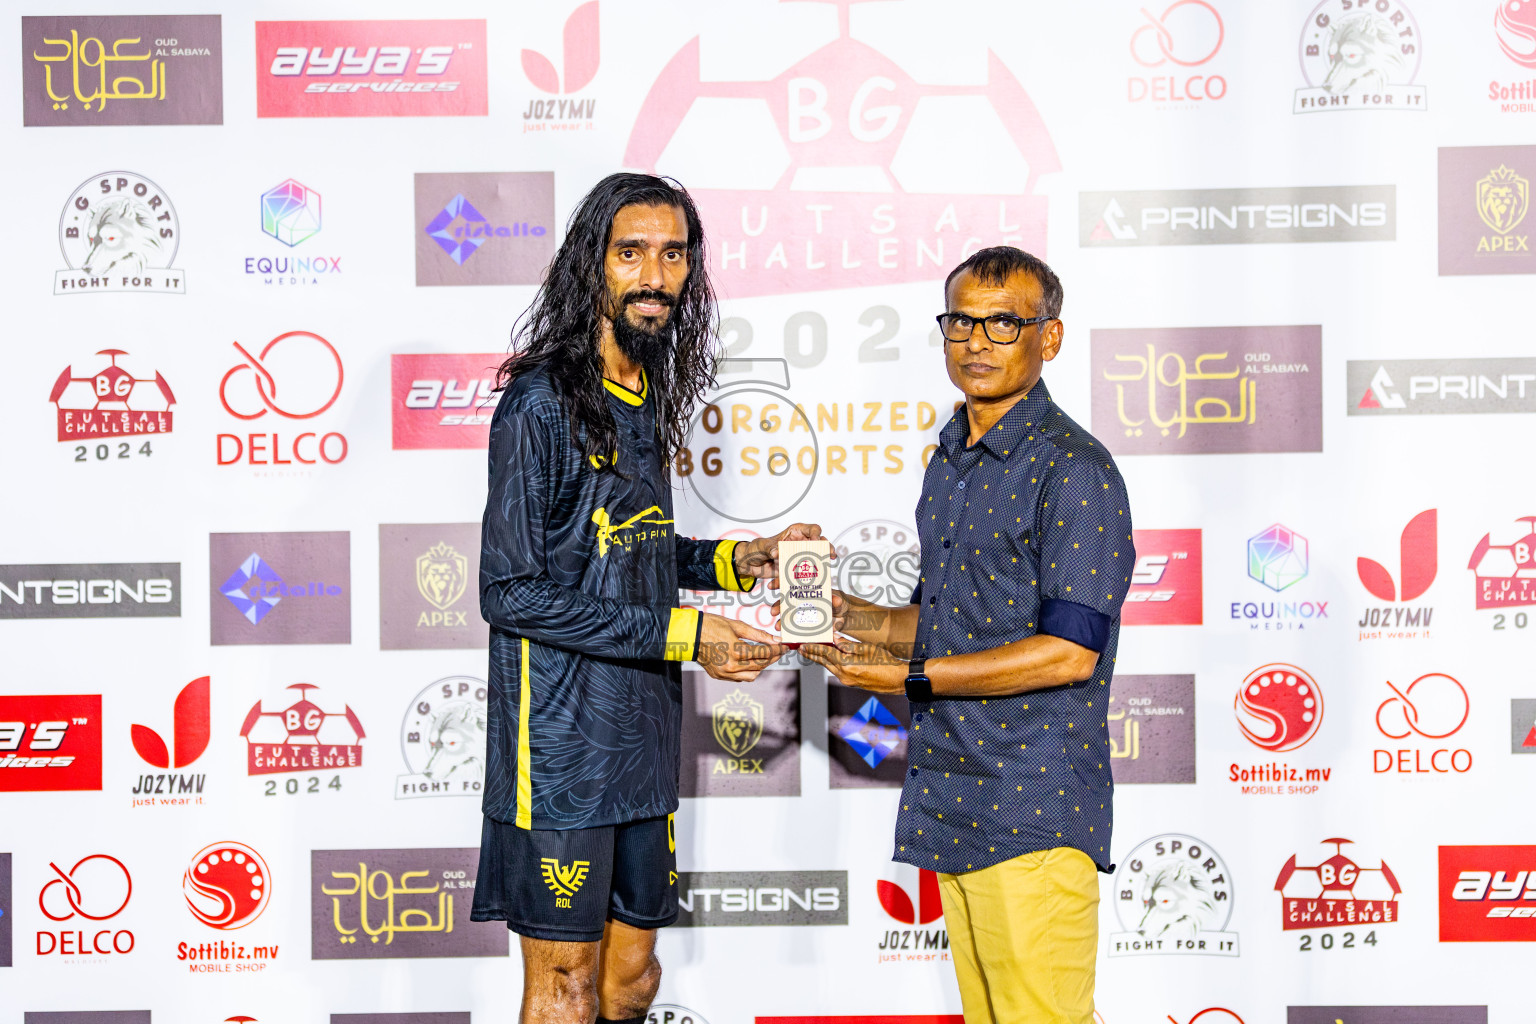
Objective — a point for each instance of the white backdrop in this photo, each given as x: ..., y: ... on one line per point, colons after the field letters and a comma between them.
x: 972, y: 123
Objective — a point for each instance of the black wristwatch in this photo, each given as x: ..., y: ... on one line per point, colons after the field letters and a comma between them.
x: 919, y: 688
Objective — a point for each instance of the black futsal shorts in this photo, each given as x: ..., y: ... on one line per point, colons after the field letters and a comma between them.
x: 565, y: 884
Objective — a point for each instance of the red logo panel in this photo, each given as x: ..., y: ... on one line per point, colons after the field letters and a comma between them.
x: 1165, y: 587
x: 443, y: 401
x: 1487, y: 893
x: 370, y: 68
x: 50, y: 743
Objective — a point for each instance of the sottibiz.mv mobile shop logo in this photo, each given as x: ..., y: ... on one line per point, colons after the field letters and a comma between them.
x: 226, y: 887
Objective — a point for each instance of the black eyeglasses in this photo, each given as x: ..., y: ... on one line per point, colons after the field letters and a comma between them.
x: 1001, y: 329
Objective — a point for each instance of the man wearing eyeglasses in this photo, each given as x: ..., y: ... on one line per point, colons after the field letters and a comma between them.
x: 1005, y: 653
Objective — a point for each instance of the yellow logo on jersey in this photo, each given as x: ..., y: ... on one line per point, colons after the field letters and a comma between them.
x: 608, y: 532
x: 564, y: 881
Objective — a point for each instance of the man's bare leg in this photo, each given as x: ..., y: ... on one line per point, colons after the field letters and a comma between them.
x: 576, y: 982
x: 629, y: 974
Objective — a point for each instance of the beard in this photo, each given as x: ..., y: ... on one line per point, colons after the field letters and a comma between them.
x: 648, y: 342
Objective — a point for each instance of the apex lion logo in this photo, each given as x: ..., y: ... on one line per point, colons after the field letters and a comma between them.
x: 442, y: 575
x: 737, y: 721
x: 121, y: 235
x: 1363, y: 54
x: 564, y: 881
x: 1503, y: 199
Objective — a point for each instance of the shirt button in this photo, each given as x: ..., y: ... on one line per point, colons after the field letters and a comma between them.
x: 912, y: 772
x: 931, y: 600
x: 946, y: 543
x: 917, y: 717
x: 960, y: 485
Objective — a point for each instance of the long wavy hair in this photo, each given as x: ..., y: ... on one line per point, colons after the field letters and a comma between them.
x: 561, y: 330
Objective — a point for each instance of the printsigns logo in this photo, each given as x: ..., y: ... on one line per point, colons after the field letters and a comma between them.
x: 1209, y: 390
x: 256, y: 603
x: 119, y: 233
x: 1359, y: 58
x: 842, y: 191
x: 1522, y: 726
x: 1188, y: 34
x: 1336, y: 892
x: 96, y: 889
x: 1485, y: 197
x: 111, y: 403
x: 306, y: 370
x: 427, y: 592
x: 122, y: 70
x: 370, y: 68
x: 1152, y: 729
x: 128, y: 590
x: 1506, y: 573
x: 301, y: 737
x: 1238, y: 216
x: 581, y: 56
x: 191, y: 730
x: 443, y: 740
x: 227, y: 885
x: 737, y: 743
x: 50, y: 743
x: 1166, y: 583
x: 1433, y: 707
x: 443, y: 401
x: 391, y: 904
x: 511, y: 216
x: 1173, y: 894
x: 709, y: 899
x: 1488, y: 894
x: 866, y: 738
x: 1414, y: 387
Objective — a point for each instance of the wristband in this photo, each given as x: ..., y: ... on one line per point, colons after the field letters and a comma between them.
x: 919, y: 688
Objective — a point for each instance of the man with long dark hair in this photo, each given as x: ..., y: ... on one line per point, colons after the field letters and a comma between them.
x: 579, y: 573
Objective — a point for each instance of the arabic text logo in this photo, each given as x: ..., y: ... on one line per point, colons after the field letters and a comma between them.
x: 227, y: 885
x: 111, y: 402
x: 290, y: 212
x: 873, y: 732
x: 1277, y: 557
x: 1515, y: 25
x: 302, y: 737
x: 308, y: 367
x: 1188, y: 33
x: 737, y: 721
x: 97, y: 888
x: 896, y: 901
x: 442, y: 574
x: 1418, y: 558
x: 564, y: 880
x: 1437, y: 710
x: 1503, y: 198
x: 580, y: 52
x: 190, y: 730
x: 1279, y: 707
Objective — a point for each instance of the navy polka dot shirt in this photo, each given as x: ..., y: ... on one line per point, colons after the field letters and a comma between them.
x: 1027, y: 531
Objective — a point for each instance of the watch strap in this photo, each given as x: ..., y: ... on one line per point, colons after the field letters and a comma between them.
x: 918, y: 686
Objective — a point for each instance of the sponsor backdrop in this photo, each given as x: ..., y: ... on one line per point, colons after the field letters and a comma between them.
x: 265, y: 261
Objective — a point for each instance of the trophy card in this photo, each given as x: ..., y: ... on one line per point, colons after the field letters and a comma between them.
x: 806, y: 578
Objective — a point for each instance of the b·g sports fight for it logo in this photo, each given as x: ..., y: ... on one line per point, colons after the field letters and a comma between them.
x: 119, y: 233
x: 1360, y: 55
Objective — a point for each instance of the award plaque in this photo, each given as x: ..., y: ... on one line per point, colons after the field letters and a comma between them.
x: 806, y: 580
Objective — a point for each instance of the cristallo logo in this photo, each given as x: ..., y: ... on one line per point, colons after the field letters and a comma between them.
x: 562, y: 880
x: 610, y: 533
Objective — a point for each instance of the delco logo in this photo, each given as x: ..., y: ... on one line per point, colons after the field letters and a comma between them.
x: 1488, y: 894
x: 443, y: 401
x: 1166, y: 583
x: 370, y: 68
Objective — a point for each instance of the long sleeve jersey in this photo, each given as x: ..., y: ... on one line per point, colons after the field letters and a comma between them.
x: 579, y: 572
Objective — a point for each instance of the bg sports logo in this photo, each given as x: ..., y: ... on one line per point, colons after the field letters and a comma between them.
x: 370, y: 68
x: 1488, y: 894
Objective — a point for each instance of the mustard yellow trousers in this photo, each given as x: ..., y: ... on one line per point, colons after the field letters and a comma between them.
x: 1024, y: 935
